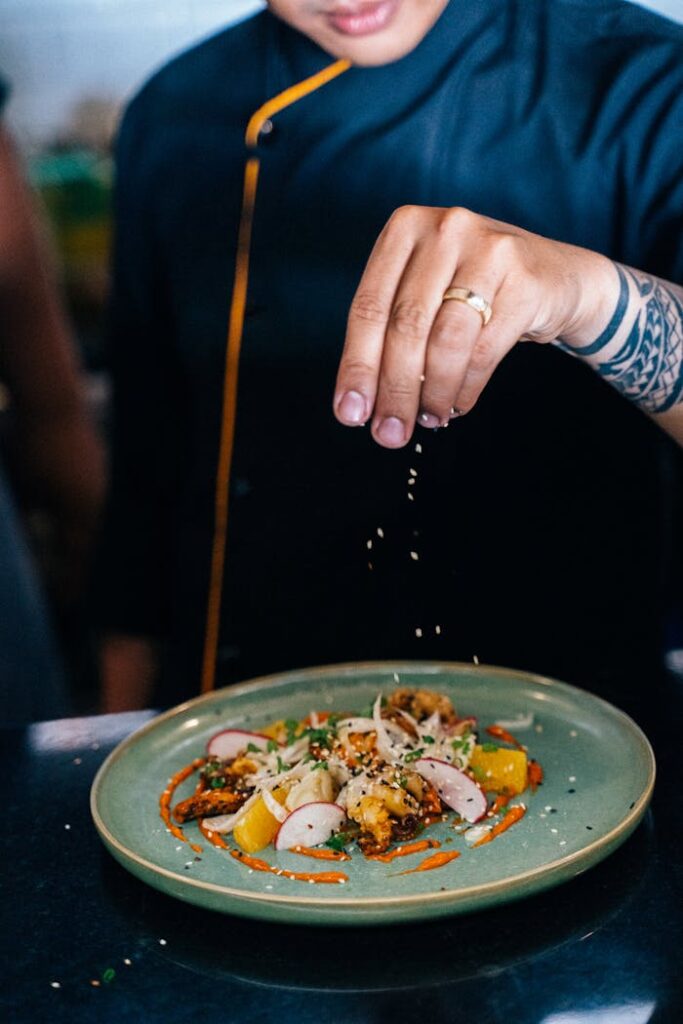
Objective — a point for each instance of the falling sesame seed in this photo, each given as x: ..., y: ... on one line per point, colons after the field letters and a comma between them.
x: 380, y: 531
x: 127, y: 962
x: 395, y: 677
x: 369, y: 545
x: 418, y: 631
x: 55, y: 984
x: 437, y: 630
x: 414, y: 555
x: 411, y: 481
x: 370, y: 566
x: 475, y: 659
x: 410, y: 497
x: 418, y: 448
x: 95, y: 983
x: 413, y: 472
x: 162, y: 942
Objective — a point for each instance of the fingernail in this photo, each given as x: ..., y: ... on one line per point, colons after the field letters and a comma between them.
x: 426, y: 419
x: 454, y: 413
x: 391, y: 430
x: 352, y: 408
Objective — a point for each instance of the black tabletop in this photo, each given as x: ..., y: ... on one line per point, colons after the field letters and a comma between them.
x: 84, y: 941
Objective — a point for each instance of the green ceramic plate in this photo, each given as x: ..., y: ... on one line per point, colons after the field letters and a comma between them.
x: 599, y: 776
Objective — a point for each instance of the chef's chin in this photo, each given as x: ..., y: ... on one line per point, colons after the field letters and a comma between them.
x: 366, y: 32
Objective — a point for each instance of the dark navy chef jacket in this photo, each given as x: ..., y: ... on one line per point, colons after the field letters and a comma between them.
x: 537, y: 518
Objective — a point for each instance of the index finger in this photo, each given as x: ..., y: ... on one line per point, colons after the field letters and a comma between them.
x: 356, y: 387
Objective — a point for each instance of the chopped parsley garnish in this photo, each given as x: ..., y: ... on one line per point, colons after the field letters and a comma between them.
x: 321, y: 764
x: 463, y: 743
x: 281, y: 766
x: 321, y: 737
x: 271, y: 746
x: 337, y: 842
x: 217, y: 782
x: 413, y: 755
x: 253, y: 749
x: 490, y: 748
x: 292, y: 726
x: 428, y: 739
x: 403, y: 781
x: 479, y: 773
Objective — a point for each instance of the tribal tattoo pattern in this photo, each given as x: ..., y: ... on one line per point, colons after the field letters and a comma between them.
x: 648, y: 367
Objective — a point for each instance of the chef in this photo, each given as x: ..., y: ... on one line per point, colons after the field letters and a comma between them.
x: 409, y: 186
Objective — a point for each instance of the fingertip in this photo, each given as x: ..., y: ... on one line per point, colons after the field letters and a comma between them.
x: 351, y: 408
x: 390, y: 432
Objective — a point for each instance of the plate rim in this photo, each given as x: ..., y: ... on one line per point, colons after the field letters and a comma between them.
x: 275, y: 680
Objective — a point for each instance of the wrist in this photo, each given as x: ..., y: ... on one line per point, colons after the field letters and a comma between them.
x: 595, y: 304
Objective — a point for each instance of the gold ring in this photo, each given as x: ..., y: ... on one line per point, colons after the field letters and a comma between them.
x: 476, y: 302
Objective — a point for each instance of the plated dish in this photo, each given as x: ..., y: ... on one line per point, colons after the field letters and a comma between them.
x: 366, y: 764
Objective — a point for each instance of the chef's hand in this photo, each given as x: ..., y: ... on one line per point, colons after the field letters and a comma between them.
x: 411, y: 356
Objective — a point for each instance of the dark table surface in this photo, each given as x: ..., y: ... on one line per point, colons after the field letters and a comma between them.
x: 84, y: 941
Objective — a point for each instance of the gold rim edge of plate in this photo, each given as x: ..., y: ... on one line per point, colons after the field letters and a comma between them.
x: 629, y: 822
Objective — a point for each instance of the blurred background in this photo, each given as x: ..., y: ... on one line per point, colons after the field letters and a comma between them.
x: 71, y: 65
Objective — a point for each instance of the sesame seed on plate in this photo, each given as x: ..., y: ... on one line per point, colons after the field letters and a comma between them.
x: 55, y: 984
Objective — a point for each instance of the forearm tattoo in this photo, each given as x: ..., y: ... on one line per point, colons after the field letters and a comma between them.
x: 640, y: 352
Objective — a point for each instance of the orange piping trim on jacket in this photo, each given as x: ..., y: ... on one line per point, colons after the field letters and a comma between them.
x: 234, y: 344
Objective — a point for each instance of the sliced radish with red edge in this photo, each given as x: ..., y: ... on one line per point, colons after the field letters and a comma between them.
x: 231, y: 742
x: 309, y: 825
x: 457, y: 790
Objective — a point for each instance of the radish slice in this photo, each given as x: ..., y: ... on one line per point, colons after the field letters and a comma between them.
x: 231, y: 742
x: 456, y: 789
x: 309, y: 825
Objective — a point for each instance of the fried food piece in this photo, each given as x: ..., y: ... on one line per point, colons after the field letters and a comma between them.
x: 423, y: 703
x: 208, y: 804
x: 373, y: 817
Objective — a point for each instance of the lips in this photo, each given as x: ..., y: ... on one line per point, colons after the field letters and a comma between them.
x: 363, y: 19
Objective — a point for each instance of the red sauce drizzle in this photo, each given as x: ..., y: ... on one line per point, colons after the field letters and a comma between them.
x: 502, y: 734
x: 166, y: 796
x: 437, y: 860
x: 514, y: 814
x: 405, y: 851
x: 215, y: 838
x: 329, y: 877
x: 326, y: 854
x: 501, y: 801
x: 534, y: 775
